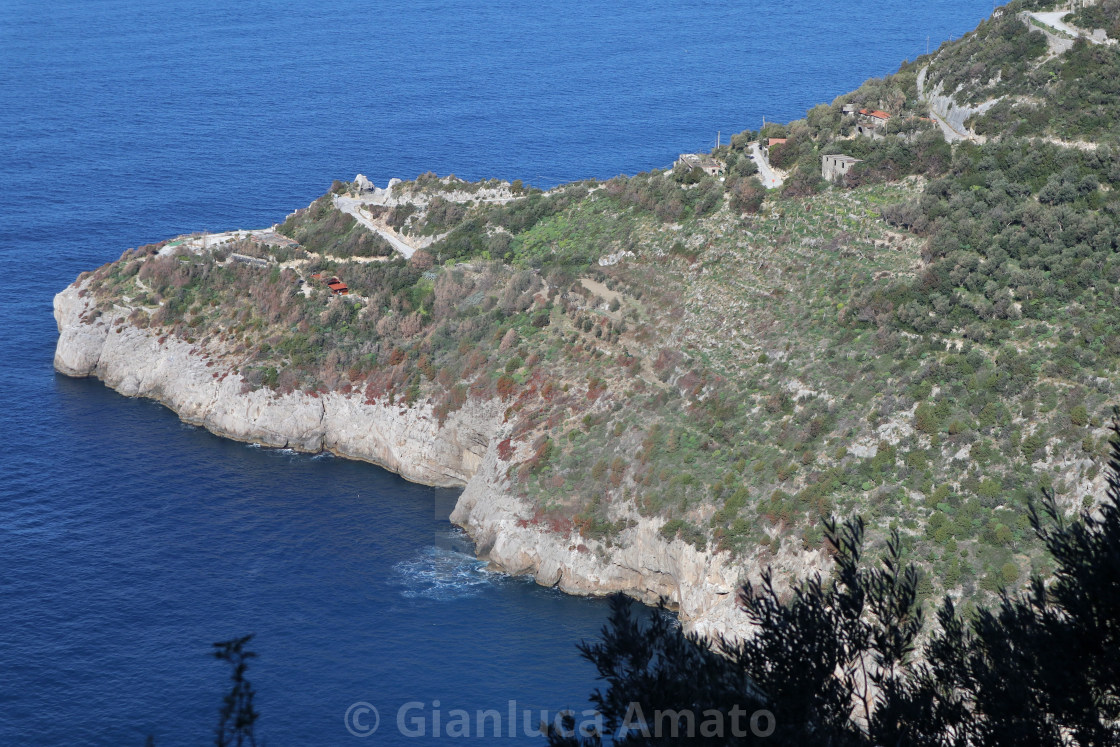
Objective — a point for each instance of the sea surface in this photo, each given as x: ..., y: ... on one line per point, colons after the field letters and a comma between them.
x: 129, y: 542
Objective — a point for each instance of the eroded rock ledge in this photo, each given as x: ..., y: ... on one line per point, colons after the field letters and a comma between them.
x: 202, y: 389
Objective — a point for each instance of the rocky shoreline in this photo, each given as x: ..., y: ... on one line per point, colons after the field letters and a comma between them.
x: 204, y: 389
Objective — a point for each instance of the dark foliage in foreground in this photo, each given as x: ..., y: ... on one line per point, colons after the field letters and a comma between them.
x: 835, y: 664
x: 237, y: 718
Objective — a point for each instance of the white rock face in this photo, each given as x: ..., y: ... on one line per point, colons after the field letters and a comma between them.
x: 362, y: 184
x: 945, y: 108
x: 202, y: 391
x: 641, y: 564
x: 410, y: 441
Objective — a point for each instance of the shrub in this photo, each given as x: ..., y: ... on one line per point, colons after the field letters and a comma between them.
x: 505, y: 386
x: 747, y: 195
x: 1079, y: 416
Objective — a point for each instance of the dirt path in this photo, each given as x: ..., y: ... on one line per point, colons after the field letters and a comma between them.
x: 951, y: 134
x: 352, y: 206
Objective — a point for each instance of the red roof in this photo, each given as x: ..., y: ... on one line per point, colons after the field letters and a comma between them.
x: 776, y: 141
x: 875, y: 113
x: 339, y: 287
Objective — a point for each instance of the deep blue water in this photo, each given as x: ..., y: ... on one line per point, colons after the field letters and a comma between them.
x: 128, y: 541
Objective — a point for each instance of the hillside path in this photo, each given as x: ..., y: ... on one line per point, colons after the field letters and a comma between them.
x: 951, y: 133
x: 352, y: 206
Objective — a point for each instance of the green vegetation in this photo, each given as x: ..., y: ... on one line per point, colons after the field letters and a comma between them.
x: 926, y: 344
x: 323, y: 228
x: 1077, y: 99
x: 995, y: 59
x: 841, y: 661
x: 1104, y: 14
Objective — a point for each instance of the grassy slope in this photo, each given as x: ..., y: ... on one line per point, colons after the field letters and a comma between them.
x: 739, y: 375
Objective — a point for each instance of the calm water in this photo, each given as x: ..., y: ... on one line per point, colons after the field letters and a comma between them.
x: 130, y: 541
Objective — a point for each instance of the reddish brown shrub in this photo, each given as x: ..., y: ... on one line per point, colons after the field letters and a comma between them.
x: 506, y: 385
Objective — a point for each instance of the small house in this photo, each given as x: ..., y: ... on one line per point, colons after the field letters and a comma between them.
x: 774, y: 141
x: 872, y: 122
x: 702, y: 161
x: 339, y: 288
x: 849, y: 109
x: 834, y: 167
x: 874, y: 116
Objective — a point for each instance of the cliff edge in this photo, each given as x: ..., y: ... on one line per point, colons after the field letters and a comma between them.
x: 204, y: 389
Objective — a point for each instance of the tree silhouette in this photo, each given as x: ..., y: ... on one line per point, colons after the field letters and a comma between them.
x: 835, y: 664
x: 237, y: 717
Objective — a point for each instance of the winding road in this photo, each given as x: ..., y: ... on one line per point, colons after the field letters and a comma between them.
x: 352, y: 206
x: 1053, y: 19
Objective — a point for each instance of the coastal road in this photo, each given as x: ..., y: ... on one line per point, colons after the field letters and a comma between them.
x: 952, y: 131
x: 352, y: 206
x: 1053, y: 19
x: 770, y: 178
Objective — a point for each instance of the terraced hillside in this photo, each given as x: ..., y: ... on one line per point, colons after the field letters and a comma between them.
x: 928, y: 342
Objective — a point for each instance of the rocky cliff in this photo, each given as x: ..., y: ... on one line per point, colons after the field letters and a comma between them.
x: 203, y: 386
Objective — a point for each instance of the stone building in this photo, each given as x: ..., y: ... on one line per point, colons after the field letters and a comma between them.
x: 701, y: 161
x: 834, y: 167
x: 872, y: 123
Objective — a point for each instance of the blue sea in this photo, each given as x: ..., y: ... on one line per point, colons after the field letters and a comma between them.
x: 129, y: 542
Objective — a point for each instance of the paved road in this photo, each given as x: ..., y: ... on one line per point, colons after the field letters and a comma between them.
x: 352, y: 206
x: 952, y: 132
x: 769, y: 178
x: 1053, y: 19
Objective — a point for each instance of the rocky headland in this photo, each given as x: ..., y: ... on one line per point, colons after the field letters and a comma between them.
x: 662, y: 384
x: 199, y: 385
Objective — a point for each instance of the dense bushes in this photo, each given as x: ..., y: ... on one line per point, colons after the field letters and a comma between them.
x: 990, y: 61
x: 321, y: 227
x: 1077, y: 98
x: 487, y: 230
x: 665, y: 196
x: 747, y: 194
x: 1016, y: 230
x: 924, y: 151
x: 836, y: 662
x: 1105, y: 14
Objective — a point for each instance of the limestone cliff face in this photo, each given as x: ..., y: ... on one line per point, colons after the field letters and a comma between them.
x: 203, y: 389
x: 640, y: 562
